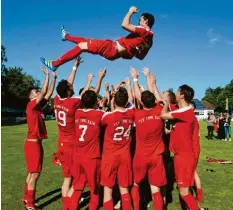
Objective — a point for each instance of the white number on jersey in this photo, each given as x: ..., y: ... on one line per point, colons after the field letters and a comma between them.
x: 120, y: 132
x: 60, y: 117
x: 84, y: 127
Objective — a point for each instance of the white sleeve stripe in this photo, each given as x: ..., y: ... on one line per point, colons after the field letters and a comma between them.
x: 181, y: 110
x: 105, y: 114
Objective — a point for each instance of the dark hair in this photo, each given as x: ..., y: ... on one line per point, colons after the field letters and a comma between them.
x: 62, y: 88
x: 193, y: 104
x: 121, y: 97
x: 80, y: 91
x: 89, y: 99
x: 29, y: 92
x: 150, y: 19
x: 188, y: 92
x: 172, y: 97
x: 148, y: 99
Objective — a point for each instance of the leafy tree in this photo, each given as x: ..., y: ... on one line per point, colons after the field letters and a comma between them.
x: 218, y: 96
x: 3, y: 58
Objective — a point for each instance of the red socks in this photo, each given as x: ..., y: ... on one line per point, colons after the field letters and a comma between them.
x: 74, y: 200
x: 158, y: 201
x: 25, y: 191
x: 94, y: 202
x: 135, y: 197
x: 65, y: 203
x: 70, y: 55
x: 199, y: 195
x: 108, y: 205
x: 75, y: 39
x: 190, y: 201
x: 126, y: 201
x: 31, y: 196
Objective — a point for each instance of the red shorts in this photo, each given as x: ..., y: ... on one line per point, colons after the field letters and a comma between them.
x: 116, y: 167
x: 184, y: 170
x: 34, y: 155
x: 86, y: 170
x: 65, y: 155
x: 153, y: 166
x: 105, y: 48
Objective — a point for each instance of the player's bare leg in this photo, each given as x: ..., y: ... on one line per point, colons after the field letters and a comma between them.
x: 198, y: 186
x: 24, y: 199
x: 125, y: 198
x: 65, y: 190
x: 108, y: 202
x: 188, y: 198
x: 32, y: 190
x: 157, y: 197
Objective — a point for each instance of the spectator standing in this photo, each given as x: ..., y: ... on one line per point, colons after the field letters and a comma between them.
x: 221, y: 129
x: 227, y: 127
x: 210, y: 125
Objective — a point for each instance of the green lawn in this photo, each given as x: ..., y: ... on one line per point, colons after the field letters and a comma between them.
x: 218, y: 186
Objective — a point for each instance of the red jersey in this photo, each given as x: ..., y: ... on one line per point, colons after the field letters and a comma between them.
x: 65, y: 115
x: 137, y: 43
x: 35, y: 121
x: 196, y: 139
x: 173, y: 107
x: 149, y: 131
x: 117, y: 136
x: 88, y: 123
x: 181, y: 140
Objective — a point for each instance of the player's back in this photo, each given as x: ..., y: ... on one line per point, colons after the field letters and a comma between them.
x: 138, y: 42
x: 149, y: 131
x: 118, y: 133
x: 65, y: 115
x: 87, y: 124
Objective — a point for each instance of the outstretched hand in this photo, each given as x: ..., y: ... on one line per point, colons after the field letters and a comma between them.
x: 44, y: 70
x: 146, y: 71
x: 90, y: 77
x: 102, y: 73
x: 54, y: 73
x: 78, y: 61
x: 133, y: 73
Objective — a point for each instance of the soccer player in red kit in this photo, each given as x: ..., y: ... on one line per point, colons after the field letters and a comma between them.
x: 136, y: 44
x: 86, y: 162
x: 116, y: 158
x: 181, y: 143
x: 65, y: 106
x: 196, y: 147
x: 33, y: 148
x: 148, y: 159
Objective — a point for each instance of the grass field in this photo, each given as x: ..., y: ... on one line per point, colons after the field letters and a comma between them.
x: 218, y: 186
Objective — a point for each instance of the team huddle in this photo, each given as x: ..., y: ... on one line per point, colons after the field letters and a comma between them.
x: 95, y: 146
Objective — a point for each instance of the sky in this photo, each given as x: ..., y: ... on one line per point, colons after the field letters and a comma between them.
x: 193, y: 40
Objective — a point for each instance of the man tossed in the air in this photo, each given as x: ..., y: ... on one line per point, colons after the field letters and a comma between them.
x: 136, y: 44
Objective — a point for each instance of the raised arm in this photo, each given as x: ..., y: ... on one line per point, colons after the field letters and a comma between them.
x: 72, y: 75
x: 129, y: 90
x: 44, y: 86
x: 137, y: 91
x: 146, y: 72
x: 102, y: 74
x: 155, y: 89
x: 89, y: 79
x: 51, y: 87
x: 126, y: 21
x: 165, y: 114
x: 107, y: 93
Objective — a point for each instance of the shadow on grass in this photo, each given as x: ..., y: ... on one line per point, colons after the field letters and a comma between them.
x: 47, y: 194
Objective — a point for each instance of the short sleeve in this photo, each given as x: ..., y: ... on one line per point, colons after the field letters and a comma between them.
x: 179, y: 115
x: 76, y: 101
x: 140, y: 31
x: 105, y: 118
x: 32, y: 104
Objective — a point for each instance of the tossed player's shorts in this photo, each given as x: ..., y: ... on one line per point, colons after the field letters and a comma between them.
x: 65, y: 155
x: 118, y: 167
x: 34, y: 155
x: 184, y: 170
x: 87, y: 170
x: 153, y: 166
x: 105, y: 48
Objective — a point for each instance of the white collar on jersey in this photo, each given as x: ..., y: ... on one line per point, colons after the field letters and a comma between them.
x: 182, y: 109
x: 145, y: 28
